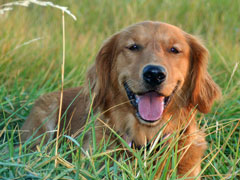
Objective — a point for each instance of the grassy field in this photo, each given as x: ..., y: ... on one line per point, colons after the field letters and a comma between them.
x: 30, y: 65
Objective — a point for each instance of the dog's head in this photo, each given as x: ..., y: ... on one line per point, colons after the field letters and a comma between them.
x: 153, y: 65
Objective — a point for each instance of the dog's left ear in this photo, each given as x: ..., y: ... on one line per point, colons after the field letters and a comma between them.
x: 102, y: 70
x: 203, y: 89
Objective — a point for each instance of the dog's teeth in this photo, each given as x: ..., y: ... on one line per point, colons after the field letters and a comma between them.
x: 137, y: 99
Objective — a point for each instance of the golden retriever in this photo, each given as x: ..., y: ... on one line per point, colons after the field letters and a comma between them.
x: 144, y: 77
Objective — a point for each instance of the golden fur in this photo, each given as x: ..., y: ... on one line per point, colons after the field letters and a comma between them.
x: 188, y: 81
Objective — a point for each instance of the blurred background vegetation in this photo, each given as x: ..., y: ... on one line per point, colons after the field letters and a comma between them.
x: 31, y: 56
x: 216, y: 21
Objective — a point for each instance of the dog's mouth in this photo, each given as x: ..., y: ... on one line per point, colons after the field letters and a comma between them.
x: 150, y: 105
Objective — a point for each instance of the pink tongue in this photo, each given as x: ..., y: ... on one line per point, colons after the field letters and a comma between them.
x: 150, y: 106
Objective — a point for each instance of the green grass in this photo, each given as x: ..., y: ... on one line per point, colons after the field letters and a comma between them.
x: 29, y: 70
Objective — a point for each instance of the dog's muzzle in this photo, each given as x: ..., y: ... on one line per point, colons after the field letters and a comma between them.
x: 150, y: 105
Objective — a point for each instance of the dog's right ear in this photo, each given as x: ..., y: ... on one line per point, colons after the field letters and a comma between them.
x: 99, y: 75
x: 203, y: 89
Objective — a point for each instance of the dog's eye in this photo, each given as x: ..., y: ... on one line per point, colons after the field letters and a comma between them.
x: 174, y: 50
x: 135, y: 47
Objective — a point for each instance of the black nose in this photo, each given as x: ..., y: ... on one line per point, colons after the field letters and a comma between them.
x: 154, y: 75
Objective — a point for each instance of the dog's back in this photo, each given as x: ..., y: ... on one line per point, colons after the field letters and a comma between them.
x: 43, y: 117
